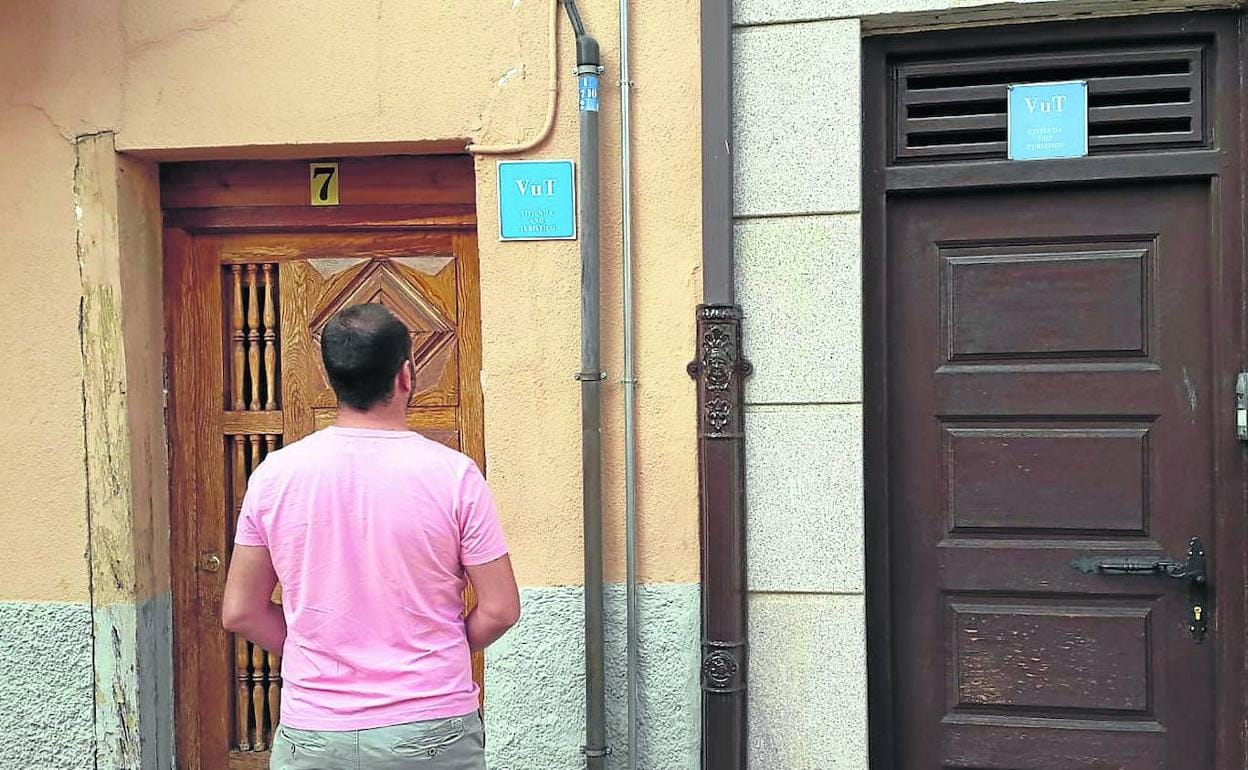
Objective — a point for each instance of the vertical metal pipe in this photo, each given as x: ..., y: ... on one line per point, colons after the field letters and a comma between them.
x: 629, y: 382
x: 718, y: 264
x: 588, y: 69
x: 721, y: 446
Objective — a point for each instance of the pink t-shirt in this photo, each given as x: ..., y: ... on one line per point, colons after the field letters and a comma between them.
x: 369, y: 531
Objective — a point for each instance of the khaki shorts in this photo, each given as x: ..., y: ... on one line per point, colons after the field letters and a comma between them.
x: 442, y: 744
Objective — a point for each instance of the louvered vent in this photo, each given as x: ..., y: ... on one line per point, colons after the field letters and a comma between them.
x: 955, y: 109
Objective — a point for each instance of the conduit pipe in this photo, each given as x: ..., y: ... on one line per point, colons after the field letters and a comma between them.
x: 629, y: 382
x: 552, y: 99
x: 588, y: 69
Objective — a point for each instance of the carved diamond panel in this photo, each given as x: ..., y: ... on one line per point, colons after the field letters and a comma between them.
x: 433, y: 335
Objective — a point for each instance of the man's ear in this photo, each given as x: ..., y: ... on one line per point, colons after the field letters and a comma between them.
x: 405, y: 377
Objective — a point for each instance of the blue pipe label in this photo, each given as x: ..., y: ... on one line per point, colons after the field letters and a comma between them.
x: 589, y: 92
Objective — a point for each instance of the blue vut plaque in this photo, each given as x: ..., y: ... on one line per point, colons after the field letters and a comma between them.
x: 1048, y: 120
x: 536, y: 200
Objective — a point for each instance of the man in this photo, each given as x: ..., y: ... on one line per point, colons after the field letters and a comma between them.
x: 371, y: 530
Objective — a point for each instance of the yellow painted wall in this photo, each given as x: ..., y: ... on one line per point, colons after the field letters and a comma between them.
x: 57, y: 80
x: 279, y: 78
x: 43, y: 515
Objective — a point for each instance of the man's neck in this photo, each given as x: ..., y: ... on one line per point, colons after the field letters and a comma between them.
x: 373, y: 419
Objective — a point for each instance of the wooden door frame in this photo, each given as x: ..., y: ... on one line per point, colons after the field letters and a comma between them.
x: 1221, y: 164
x: 398, y: 194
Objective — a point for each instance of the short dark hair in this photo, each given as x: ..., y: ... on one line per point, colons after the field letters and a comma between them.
x: 363, y: 348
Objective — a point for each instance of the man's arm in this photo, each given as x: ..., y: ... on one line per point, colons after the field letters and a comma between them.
x: 247, y: 608
x: 498, y: 602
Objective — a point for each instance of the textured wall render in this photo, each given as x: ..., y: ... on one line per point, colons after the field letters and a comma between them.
x: 45, y: 687
x: 535, y: 681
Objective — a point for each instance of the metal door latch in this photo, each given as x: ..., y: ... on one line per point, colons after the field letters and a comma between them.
x: 1241, y: 406
x: 1195, y: 570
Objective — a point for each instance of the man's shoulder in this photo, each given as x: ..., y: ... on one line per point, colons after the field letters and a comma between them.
x: 315, y: 449
x: 428, y: 452
x: 284, y: 455
x: 291, y: 457
x: 423, y: 451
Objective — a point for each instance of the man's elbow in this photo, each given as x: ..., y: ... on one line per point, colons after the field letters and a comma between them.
x: 234, y: 617
x: 512, y: 616
x: 504, y: 615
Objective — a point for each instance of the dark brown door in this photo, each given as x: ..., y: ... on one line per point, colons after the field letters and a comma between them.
x: 1051, y: 398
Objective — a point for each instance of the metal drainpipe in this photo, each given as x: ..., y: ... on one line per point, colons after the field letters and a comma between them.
x: 588, y: 69
x: 629, y: 381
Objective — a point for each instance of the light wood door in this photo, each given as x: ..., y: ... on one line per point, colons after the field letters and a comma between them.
x: 245, y: 311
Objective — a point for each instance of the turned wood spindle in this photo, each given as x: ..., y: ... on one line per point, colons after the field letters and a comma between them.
x: 275, y: 692
x: 239, y: 474
x: 257, y: 696
x: 253, y: 336
x: 242, y: 695
x: 242, y: 657
x: 270, y: 341
x: 239, y: 336
x: 255, y: 452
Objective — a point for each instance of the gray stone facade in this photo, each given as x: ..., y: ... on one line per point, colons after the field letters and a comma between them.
x: 798, y: 244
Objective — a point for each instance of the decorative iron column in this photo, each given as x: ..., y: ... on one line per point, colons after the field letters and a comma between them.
x: 719, y: 370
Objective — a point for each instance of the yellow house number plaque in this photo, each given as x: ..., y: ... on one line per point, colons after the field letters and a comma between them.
x: 324, y: 178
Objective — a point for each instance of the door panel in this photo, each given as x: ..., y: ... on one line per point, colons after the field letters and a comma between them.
x: 317, y: 289
x: 246, y: 312
x: 1051, y: 391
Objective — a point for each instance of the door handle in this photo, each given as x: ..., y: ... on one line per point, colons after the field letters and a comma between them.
x: 1195, y: 570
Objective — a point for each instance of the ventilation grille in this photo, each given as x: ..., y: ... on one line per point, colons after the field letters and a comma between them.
x: 1137, y: 98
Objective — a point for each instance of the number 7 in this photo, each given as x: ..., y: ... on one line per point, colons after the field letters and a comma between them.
x: 328, y: 173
